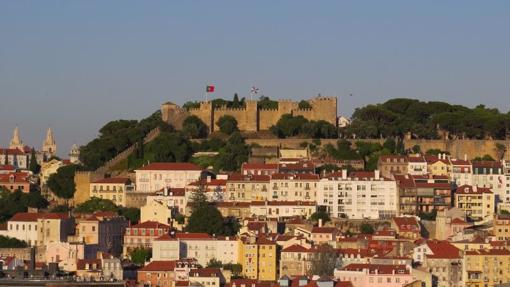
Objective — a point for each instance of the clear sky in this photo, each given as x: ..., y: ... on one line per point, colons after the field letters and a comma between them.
x: 75, y: 65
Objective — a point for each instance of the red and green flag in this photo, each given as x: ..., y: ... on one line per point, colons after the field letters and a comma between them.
x: 209, y: 89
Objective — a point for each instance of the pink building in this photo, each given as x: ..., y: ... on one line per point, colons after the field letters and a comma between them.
x: 375, y: 275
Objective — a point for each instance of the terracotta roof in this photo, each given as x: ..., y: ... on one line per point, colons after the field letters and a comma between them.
x: 416, y: 159
x: 150, y: 224
x: 443, y: 250
x: 379, y: 268
x: 175, y: 191
x: 32, y: 216
x: 324, y: 229
x: 296, y: 248
x: 226, y: 204
x: 407, y: 223
x: 206, y: 272
x: 159, y: 266
x: 246, y: 165
x: 171, y: 166
x: 12, y: 151
x: 487, y: 163
x: 468, y: 189
x: 16, y: 176
x: 460, y: 162
x: 242, y: 177
x: 211, y: 182
x: 7, y: 167
x: 119, y: 180
x: 459, y: 221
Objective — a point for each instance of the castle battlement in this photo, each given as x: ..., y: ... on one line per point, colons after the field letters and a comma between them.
x: 248, y: 117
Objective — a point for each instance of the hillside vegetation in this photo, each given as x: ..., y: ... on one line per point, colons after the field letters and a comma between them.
x: 396, y: 117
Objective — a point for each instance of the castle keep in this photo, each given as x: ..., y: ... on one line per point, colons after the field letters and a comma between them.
x: 250, y: 117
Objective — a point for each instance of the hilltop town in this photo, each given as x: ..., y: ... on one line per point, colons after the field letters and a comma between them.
x: 265, y: 193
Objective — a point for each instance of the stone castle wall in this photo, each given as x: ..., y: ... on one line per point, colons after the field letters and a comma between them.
x: 250, y: 118
x: 457, y: 148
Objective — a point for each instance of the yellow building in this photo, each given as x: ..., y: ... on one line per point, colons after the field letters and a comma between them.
x: 438, y: 165
x: 486, y: 267
x: 258, y: 258
x: 477, y: 202
x: 114, y: 189
x: 501, y: 225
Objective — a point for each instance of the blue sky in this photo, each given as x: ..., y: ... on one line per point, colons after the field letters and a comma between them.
x: 75, y: 65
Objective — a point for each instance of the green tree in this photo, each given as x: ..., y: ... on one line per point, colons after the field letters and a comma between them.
x: 236, y: 269
x: 304, y: 105
x: 206, y: 219
x: 321, y: 213
x: 390, y: 144
x: 194, y: 127
x: 416, y: 149
x: 232, y: 156
x: 18, y: 201
x: 227, y: 124
x: 266, y: 103
x: 130, y: 213
x: 214, y: 263
x: 366, y: 228
x: 10, y: 242
x: 62, y: 183
x: 34, y: 166
x: 96, y: 204
x: 324, y: 261
x: 140, y: 255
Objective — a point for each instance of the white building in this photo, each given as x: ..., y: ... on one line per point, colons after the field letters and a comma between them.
x: 156, y: 176
x: 490, y: 174
x: 461, y: 172
x: 278, y: 209
x: 301, y: 186
x: 200, y: 246
x: 417, y: 165
x: 360, y: 195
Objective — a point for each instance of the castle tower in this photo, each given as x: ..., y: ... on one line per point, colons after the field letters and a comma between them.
x: 74, y: 154
x: 49, y: 147
x: 16, y: 142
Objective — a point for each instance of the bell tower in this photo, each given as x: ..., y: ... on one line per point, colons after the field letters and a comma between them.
x: 16, y: 142
x: 49, y: 147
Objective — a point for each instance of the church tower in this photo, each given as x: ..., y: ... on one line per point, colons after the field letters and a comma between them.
x: 49, y: 147
x: 74, y: 155
x: 16, y: 142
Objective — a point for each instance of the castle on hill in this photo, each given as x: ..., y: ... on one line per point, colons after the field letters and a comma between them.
x: 251, y: 117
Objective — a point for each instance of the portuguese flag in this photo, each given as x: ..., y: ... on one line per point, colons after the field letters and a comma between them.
x: 209, y: 89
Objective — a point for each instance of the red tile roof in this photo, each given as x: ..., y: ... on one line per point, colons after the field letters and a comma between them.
x: 487, y: 163
x: 32, y: 216
x: 468, y: 189
x: 150, y: 224
x: 171, y: 166
x: 324, y: 229
x: 282, y: 203
x: 272, y: 166
x: 12, y: 151
x: 242, y: 177
x: 159, y: 266
x: 443, y: 250
x: 119, y: 180
x: 296, y: 248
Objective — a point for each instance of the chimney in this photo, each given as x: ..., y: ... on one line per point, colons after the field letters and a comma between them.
x: 165, y: 191
x: 344, y: 174
x: 376, y: 174
x: 475, y: 188
x: 208, y: 178
x: 465, y: 157
x: 320, y: 222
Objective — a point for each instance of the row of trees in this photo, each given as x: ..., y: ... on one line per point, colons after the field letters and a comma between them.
x: 18, y: 201
x: 396, y: 117
x: 115, y: 137
x: 291, y: 126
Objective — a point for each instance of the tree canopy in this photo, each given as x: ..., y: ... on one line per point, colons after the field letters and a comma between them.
x: 194, y: 127
x: 233, y: 154
x: 98, y: 204
x: 115, y: 137
x: 396, y: 117
x: 291, y: 126
x: 140, y: 255
x: 227, y: 124
x: 10, y: 242
x: 18, y: 201
x: 62, y: 183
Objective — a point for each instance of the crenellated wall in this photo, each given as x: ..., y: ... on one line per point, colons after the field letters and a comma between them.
x: 250, y: 118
